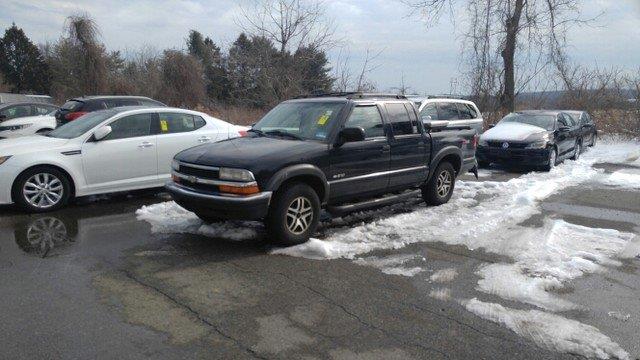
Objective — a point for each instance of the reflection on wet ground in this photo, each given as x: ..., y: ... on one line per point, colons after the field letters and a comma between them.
x: 95, y: 268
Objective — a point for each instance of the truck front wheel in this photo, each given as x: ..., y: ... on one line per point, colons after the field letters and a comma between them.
x: 294, y: 214
x: 440, y: 187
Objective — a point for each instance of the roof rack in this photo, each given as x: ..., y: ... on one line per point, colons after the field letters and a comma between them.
x: 447, y: 96
x: 353, y: 95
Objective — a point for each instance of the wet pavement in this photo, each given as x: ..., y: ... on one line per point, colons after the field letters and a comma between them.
x: 92, y: 281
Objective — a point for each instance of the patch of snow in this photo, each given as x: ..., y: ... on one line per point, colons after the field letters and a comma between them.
x: 547, y: 257
x: 393, y: 265
x: 618, y: 315
x: 550, y: 331
x: 609, y: 150
x: 170, y: 218
x: 444, y: 275
x: 443, y: 294
x: 628, y: 178
x: 511, y: 131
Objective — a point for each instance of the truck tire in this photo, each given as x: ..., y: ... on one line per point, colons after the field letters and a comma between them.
x: 552, y: 161
x: 41, y: 189
x: 440, y: 187
x: 294, y: 214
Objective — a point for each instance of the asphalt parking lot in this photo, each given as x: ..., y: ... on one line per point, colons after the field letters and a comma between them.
x: 96, y: 280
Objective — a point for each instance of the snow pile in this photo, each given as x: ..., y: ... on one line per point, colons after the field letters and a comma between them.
x: 393, y: 265
x: 550, y: 331
x: 547, y: 257
x: 444, y: 275
x: 170, y: 218
x: 504, y: 204
x: 616, y: 152
x: 443, y: 294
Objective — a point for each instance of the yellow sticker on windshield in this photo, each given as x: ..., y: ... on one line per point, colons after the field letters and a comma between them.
x: 164, y: 126
x: 323, y: 119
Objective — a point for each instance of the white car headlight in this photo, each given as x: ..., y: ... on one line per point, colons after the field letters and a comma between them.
x: 175, y: 165
x: 3, y: 159
x: 236, y: 174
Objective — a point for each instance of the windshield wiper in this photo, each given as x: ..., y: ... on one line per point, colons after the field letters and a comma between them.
x: 259, y: 132
x: 284, y: 134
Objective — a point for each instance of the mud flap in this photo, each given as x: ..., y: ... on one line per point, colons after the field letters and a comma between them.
x: 474, y: 170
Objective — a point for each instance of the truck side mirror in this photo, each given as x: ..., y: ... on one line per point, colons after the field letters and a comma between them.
x: 351, y: 134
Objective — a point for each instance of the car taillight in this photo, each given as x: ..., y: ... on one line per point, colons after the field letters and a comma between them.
x: 243, y: 133
x: 475, y: 141
x: 74, y: 115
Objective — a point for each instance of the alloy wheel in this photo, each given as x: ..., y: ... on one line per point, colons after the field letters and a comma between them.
x: 45, y: 233
x: 43, y: 190
x: 299, y: 215
x: 443, y: 185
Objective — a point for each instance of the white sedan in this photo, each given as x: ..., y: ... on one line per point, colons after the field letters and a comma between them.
x: 105, y: 151
x: 26, y: 126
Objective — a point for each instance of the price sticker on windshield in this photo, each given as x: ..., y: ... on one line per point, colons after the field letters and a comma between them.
x: 164, y: 126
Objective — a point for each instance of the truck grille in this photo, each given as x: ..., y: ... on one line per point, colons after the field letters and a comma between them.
x: 209, y: 173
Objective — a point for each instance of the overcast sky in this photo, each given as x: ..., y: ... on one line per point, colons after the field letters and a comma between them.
x: 428, y: 57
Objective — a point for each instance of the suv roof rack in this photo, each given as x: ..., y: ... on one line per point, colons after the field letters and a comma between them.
x: 353, y: 95
x: 448, y: 96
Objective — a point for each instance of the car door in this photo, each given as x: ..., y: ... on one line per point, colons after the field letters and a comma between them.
x: 180, y: 131
x: 124, y: 159
x: 362, y: 166
x: 566, y: 138
x: 408, y: 146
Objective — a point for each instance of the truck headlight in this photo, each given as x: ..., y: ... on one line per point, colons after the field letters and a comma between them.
x: 3, y: 159
x: 175, y: 165
x: 538, y: 144
x: 236, y: 174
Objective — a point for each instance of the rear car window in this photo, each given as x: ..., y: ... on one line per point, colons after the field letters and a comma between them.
x: 171, y: 123
x: 72, y: 105
x: 400, y: 121
x: 448, y: 111
x: 368, y: 118
x: 465, y: 111
x: 429, y: 112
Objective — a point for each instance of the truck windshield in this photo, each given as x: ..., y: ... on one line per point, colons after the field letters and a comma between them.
x: 544, y: 121
x: 303, y: 120
x: 81, y: 125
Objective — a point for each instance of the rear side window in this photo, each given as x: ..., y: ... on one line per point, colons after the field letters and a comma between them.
x: 171, y: 123
x: 130, y: 126
x: 16, y: 111
x: 149, y: 102
x: 448, y: 111
x: 464, y: 112
x: 368, y: 118
x: 429, y: 111
x: 400, y: 120
x: 473, y: 111
x: 44, y: 109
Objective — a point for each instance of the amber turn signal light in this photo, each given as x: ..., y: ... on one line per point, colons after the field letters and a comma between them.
x: 239, y: 190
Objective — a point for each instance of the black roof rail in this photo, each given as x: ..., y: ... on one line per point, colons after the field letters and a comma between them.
x: 352, y: 95
x: 448, y: 96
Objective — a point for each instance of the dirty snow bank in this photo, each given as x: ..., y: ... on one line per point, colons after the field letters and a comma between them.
x: 169, y: 218
x: 550, y: 331
x: 394, y: 264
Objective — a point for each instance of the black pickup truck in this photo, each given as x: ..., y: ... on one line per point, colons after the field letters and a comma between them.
x: 342, y: 152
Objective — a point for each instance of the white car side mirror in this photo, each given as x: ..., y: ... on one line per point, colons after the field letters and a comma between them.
x: 102, y: 132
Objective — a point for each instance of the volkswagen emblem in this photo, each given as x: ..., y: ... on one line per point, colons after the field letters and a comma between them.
x: 192, y: 179
x: 505, y: 145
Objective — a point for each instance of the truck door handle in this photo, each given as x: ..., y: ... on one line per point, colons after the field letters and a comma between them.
x: 145, y: 144
x: 204, y: 139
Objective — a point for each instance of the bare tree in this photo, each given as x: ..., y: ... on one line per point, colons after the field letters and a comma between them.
x: 290, y: 24
x: 363, y: 83
x: 403, y: 88
x: 511, y: 41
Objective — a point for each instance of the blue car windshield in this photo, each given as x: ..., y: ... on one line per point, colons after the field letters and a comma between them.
x: 312, y: 120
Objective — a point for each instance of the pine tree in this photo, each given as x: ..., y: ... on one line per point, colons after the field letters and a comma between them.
x: 21, y: 63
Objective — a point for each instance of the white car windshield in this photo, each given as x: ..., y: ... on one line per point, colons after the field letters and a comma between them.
x: 81, y: 125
